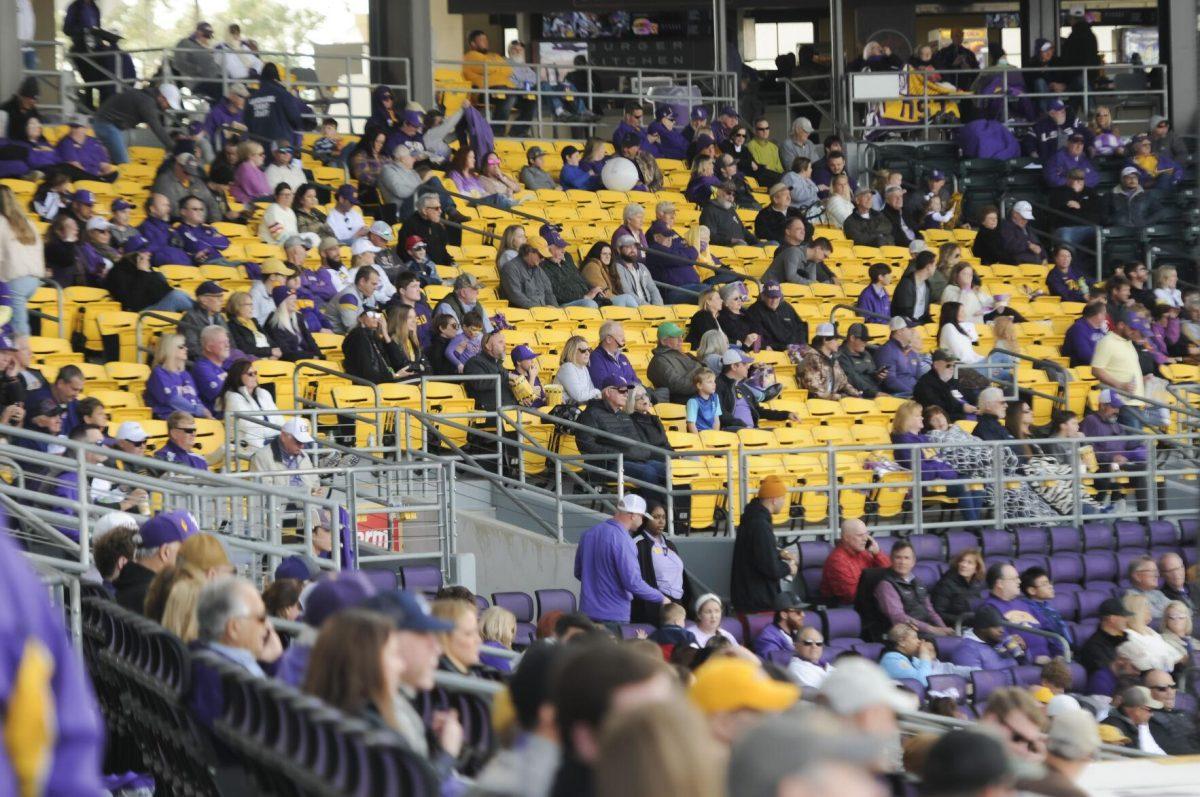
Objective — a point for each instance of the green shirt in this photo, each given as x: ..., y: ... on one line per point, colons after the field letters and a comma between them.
x: 765, y: 153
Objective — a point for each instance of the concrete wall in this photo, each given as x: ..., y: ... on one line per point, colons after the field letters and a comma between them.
x: 511, y: 558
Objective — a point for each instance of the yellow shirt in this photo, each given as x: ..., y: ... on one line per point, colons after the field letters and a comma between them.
x: 498, y: 71
x: 1119, y: 359
x: 766, y: 153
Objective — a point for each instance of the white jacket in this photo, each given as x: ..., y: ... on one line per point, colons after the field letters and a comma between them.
x: 284, y: 217
x: 250, y: 433
x: 958, y: 344
x: 18, y: 259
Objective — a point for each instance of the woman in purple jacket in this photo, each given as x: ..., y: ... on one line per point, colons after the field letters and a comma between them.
x: 906, y: 429
x: 170, y: 387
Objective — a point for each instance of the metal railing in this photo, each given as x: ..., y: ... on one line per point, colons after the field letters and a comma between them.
x: 714, y: 88
x: 855, y: 121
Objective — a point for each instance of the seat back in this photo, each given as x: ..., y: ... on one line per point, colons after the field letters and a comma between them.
x: 1130, y: 534
x: 554, y: 600
x: 949, y: 685
x: 1065, y: 539
x: 1099, y: 566
x: 1031, y: 540
x: 959, y: 541
x: 985, y: 682
x: 519, y: 603
x: 927, y: 547
x: 421, y: 578
x: 1098, y: 536
x: 1066, y: 568
x: 841, y: 623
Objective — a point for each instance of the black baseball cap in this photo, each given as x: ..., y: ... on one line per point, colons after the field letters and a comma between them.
x: 1114, y: 607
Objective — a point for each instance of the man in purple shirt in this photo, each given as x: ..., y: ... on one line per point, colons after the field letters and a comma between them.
x: 226, y: 117
x: 903, y: 363
x: 1114, y: 456
x: 201, y: 241
x: 631, y: 124
x: 874, y: 299
x: 209, y: 370
x: 181, y: 436
x: 608, y: 360
x: 606, y: 565
x: 166, y: 245
x: 1004, y: 593
x: 1060, y: 164
x: 1079, y: 343
x: 781, y: 633
x: 84, y: 152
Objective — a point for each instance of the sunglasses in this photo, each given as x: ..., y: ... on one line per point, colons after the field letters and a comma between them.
x: 621, y: 389
x: 583, y: 350
x: 736, y: 135
x: 191, y: 430
x: 808, y: 643
x: 252, y: 373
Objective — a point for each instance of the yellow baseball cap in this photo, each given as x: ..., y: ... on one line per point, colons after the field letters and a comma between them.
x: 729, y: 684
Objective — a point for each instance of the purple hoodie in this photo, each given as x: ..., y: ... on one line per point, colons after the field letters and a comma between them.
x: 874, y: 301
x: 1079, y: 343
x: 90, y: 154
x: 165, y: 243
x: 167, y: 391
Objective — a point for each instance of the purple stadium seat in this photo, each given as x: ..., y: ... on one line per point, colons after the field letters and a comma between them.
x: 988, y: 681
x: 755, y: 623
x: 383, y: 580
x: 1023, y: 563
x: 629, y: 630
x: 1065, y: 604
x: 835, y: 647
x: 997, y: 543
x: 868, y: 650
x: 811, y: 578
x: 946, y: 645
x: 1065, y: 539
x: 1032, y: 540
x: 886, y: 544
x: 1079, y: 676
x: 813, y: 553
x: 1027, y: 674
x: 554, y: 600
x: 1098, y: 536
x: 1084, y: 629
x: 526, y: 633
x: 416, y: 578
x: 482, y: 603
x: 1099, y: 566
x: 916, y: 687
x: 1125, y: 559
x: 1190, y: 555
x: 928, y: 547
x: 1189, y: 531
x: 1130, y: 534
x: 734, y: 626
x: 948, y: 684
x: 1185, y: 703
x: 1066, y: 569
x: 841, y: 624
x: 780, y: 658
x: 519, y: 603
x: 1163, y: 536
x: 1089, y: 603
x: 958, y: 541
x: 928, y: 573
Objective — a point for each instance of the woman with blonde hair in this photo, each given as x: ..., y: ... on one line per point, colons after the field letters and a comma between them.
x: 704, y: 320
x: 1004, y: 329
x: 510, y: 241
x: 573, y: 373
x: 287, y: 330
x: 840, y: 202
x: 649, y: 426
x: 1166, y: 287
x: 22, y: 258
x: 1177, y: 629
x: 249, y: 180
x: 713, y: 345
x: 202, y: 558
x: 245, y: 333
x: 906, y: 430
x: 402, y: 322
x: 461, y: 644
x: 700, y: 185
x: 674, y: 753
x: 699, y: 237
x: 170, y: 387
x: 498, y: 627
x: 1157, y: 652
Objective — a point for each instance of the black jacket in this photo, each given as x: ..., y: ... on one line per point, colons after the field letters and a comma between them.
x: 650, y: 429
x: 272, y: 113
x: 368, y: 357
x: 1099, y: 650
x: 860, y: 371
x: 931, y: 391
x: 1091, y: 208
x: 439, y: 363
x: 735, y: 327
x: 904, y: 300
x: 770, y: 223
x: 725, y: 226
x: 727, y: 393
x: 777, y: 328
x: 757, y: 569
x: 294, y: 347
x: 643, y: 611
x: 132, y: 584
x: 1122, y: 723
x: 896, y: 219
x: 702, y: 321
x: 989, y: 428
x: 1175, y: 732
x: 483, y: 390
x: 952, y: 596
x: 599, y: 417
x: 875, y: 230
x: 135, y: 290
x: 987, y: 246
x: 435, y: 236
x: 242, y: 339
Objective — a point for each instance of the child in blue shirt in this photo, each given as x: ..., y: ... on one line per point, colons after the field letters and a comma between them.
x: 704, y: 409
x: 328, y: 148
x: 469, y: 342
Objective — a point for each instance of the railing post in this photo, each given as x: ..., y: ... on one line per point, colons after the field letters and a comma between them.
x: 1152, y: 478
x: 731, y: 497
x: 558, y: 499
x: 670, y: 494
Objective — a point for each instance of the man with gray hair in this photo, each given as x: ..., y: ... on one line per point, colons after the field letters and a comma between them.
x: 209, y: 370
x: 427, y: 223
x: 866, y: 226
x: 992, y: 409
x: 1145, y: 581
x: 800, y: 143
x: 231, y: 620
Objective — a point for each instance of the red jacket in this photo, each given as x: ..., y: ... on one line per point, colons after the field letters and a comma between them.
x: 839, y: 578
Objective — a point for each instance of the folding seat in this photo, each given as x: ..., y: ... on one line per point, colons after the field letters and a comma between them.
x: 1026, y: 674
x: 421, y: 578
x: 1066, y: 604
x: 384, y: 580
x: 1085, y: 628
x: 1098, y: 536
x: 871, y: 651
x: 1032, y: 540
x: 841, y: 623
x: 1099, y: 570
x: 914, y: 686
x: 997, y: 543
x: 1066, y: 571
x: 1088, y: 602
x: 734, y: 626
x: 550, y: 600
x: 928, y: 573
x: 1078, y: 675
x: 813, y: 553
x: 1125, y: 560
x: 985, y: 682
x: 886, y: 544
x: 1163, y: 537
x: 959, y: 541
x: 927, y: 547
x: 1065, y: 539
x: 946, y: 645
x: 1130, y: 534
x: 1023, y: 563
x: 755, y: 623
x: 482, y: 603
x: 1189, y: 531
x: 519, y: 603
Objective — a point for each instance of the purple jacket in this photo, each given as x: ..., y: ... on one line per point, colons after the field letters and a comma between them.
x: 672, y: 144
x: 602, y: 365
x: 214, y: 123
x: 293, y: 664
x: 202, y: 242
x: 1021, y: 612
x: 699, y: 189
x: 1080, y: 342
x: 1095, y: 426
x: 76, y: 746
x: 606, y: 565
x: 1054, y: 171
x: 90, y: 154
x: 249, y: 183
x: 165, y: 243
x: 931, y: 467
x: 1042, y: 139
x: 209, y: 378
x: 623, y: 129
x: 1072, y: 286
x: 904, y: 368
x: 173, y: 453
x: 985, y: 138
x: 1014, y: 241
x: 318, y: 283
x: 772, y: 639
x: 871, y: 301
x: 167, y: 391
x: 974, y: 653
x: 669, y: 270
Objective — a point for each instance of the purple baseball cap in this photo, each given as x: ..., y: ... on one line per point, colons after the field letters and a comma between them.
x: 1057, y: 105
x: 281, y: 293
x: 614, y: 380
x: 330, y: 596
x: 771, y: 289
x: 347, y: 192
x: 301, y: 568
x: 550, y: 234
x: 699, y: 113
x: 729, y: 110
x: 413, y: 118
x: 84, y: 197
x: 167, y: 527
x: 522, y: 353
x: 121, y: 204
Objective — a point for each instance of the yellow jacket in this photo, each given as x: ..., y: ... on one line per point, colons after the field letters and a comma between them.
x: 498, y: 71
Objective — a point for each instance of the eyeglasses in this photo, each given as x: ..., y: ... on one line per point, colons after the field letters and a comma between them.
x: 737, y: 135
x: 453, y: 325
x: 808, y: 643
x: 189, y: 431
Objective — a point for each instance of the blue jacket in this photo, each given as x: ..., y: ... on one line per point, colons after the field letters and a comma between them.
x: 898, y: 667
x: 772, y: 639
x: 1042, y: 139
x: 167, y: 391
x: 60, y: 692
x: 985, y: 138
x: 972, y: 652
x: 166, y: 245
x: 1071, y: 287
x: 606, y: 565
x: 579, y: 178
x: 272, y: 114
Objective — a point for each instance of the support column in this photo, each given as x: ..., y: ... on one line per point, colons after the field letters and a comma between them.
x: 10, y: 51
x: 1039, y: 20
x: 403, y: 29
x: 1177, y: 47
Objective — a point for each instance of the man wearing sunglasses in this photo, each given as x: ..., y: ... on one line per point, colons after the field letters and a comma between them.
x: 620, y: 434
x: 630, y: 125
x: 181, y: 439
x: 1175, y: 731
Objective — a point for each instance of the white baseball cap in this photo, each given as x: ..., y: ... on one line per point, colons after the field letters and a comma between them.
x: 382, y: 229
x: 170, y: 93
x: 113, y: 520
x: 1024, y: 210
x: 97, y: 223
x: 363, y: 245
x: 299, y: 429
x: 132, y: 432
x: 859, y: 684
x: 633, y: 504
